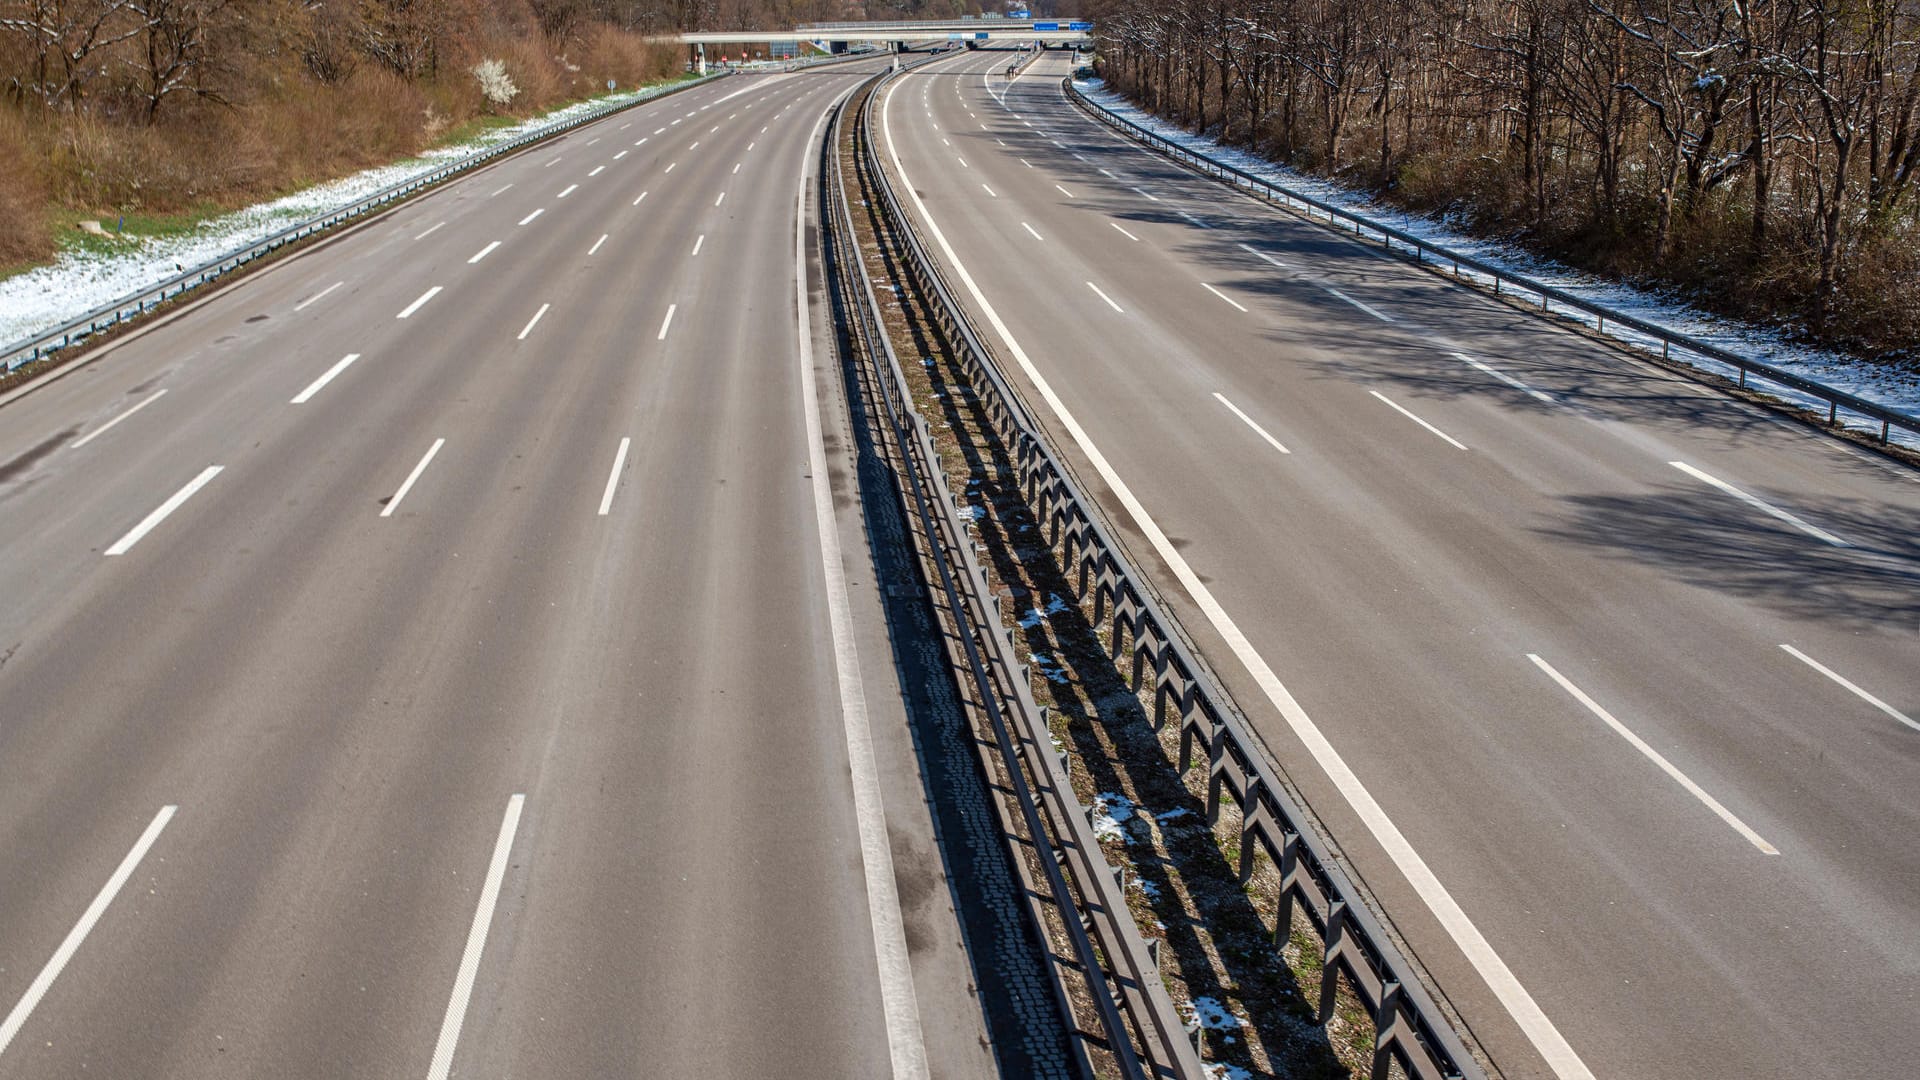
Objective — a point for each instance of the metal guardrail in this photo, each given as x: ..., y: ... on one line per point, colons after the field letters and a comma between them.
x: 1410, y: 1028
x: 1423, y: 250
x: 134, y: 305
x: 1120, y: 969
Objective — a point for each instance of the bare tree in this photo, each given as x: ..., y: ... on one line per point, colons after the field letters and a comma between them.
x: 176, y: 52
x: 65, y: 39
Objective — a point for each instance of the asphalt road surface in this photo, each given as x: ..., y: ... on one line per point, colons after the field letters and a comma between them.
x: 452, y: 651
x: 1608, y: 684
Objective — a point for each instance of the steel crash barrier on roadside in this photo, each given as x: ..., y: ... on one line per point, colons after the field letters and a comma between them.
x: 135, y: 305
x: 1410, y: 1028
x: 1138, y: 1022
x: 1673, y: 345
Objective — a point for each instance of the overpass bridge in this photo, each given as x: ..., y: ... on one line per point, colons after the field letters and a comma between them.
x: 974, y: 32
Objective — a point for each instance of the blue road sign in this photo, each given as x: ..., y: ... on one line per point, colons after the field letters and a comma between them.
x: 1046, y: 26
x: 1081, y: 27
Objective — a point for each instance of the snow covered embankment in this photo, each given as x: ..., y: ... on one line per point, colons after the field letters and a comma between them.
x: 77, y: 282
x: 1877, y: 383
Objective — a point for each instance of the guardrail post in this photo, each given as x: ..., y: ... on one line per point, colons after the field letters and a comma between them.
x: 1332, y: 958
x: 1252, y: 823
x: 1216, y: 772
x: 1385, y: 1020
x: 1289, y: 866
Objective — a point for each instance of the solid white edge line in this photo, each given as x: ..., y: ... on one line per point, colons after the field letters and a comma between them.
x: 1403, y: 412
x: 1375, y: 312
x: 1503, y: 377
x: 420, y: 303
x: 314, y: 387
x: 476, y: 943
x: 613, y: 478
x: 394, y: 503
x: 905, y: 1047
x: 108, y: 426
x: 1857, y: 691
x: 1654, y: 756
x: 666, y: 322
x: 1258, y: 430
x: 71, y: 943
x: 317, y: 297
x: 147, y: 524
x: 1104, y: 296
x: 1222, y: 295
x: 528, y: 329
x: 483, y: 253
x: 1540, y: 1029
x: 1760, y: 504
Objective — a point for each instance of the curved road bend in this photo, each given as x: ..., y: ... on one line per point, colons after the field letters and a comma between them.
x: 1566, y: 631
x: 419, y: 658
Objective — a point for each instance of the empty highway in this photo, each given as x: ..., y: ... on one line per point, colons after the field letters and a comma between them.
x: 453, y: 651
x: 1609, y: 685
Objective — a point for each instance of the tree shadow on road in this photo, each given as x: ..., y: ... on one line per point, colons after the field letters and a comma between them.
x: 1715, y: 542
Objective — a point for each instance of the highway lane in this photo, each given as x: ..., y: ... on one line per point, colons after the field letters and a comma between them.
x: 1431, y: 540
x: 481, y: 779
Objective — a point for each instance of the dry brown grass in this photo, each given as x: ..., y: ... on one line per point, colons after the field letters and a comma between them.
x: 23, y: 226
x: 279, y: 129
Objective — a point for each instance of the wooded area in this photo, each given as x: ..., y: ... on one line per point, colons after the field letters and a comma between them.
x: 164, y: 109
x: 1760, y: 155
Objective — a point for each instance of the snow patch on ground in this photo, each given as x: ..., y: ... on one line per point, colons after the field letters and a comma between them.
x: 1209, y: 1013
x: 77, y: 282
x: 1111, y: 812
x: 1882, y: 384
x: 1223, y: 1071
x: 1035, y: 616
